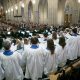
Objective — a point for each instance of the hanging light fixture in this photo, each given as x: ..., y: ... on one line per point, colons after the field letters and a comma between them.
x: 6, y: 11
x: 16, y: 7
x: 22, y: 5
x: 78, y: 1
x: 12, y: 9
x: 1, y: 7
x: 33, y: 1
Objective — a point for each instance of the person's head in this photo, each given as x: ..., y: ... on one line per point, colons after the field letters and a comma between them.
x: 7, y: 45
x: 34, y: 40
x: 62, y: 42
x: 45, y: 34
x: 33, y: 34
x: 20, y: 38
x: 50, y: 45
x: 17, y: 41
x: 1, y: 43
x: 61, y: 33
x: 67, y: 30
x: 74, y: 30
x: 54, y: 35
x: 14, y: 41
x: 26, y: 40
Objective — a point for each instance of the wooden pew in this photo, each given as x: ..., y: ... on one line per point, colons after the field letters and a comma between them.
x: 66, y: 69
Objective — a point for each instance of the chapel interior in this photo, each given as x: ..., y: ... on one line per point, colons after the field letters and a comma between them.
x: 21, y: 20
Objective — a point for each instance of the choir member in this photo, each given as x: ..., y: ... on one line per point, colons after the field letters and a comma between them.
x: 67, y: 35
x: 11, y: 63
x: 26, y: 43
x: 55, y: 38
x: 51, y: 63
x: 13, y: 45
x: 33, y: 58
x: 61, y: 52
x: 1, y: 51
x: 72, y: 44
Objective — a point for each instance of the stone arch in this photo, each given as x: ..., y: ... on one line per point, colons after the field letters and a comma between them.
x: 72, y: 11
x: 64, y: 7
x: 61, y: 5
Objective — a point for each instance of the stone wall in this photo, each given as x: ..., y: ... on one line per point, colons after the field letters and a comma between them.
x: 43, y: 11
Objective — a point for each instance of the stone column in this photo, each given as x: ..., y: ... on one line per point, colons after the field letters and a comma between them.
x: 36, y: 12
x: 52, y: 12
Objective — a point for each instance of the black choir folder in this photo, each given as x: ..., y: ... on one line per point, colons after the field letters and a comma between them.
x: 17, y: 16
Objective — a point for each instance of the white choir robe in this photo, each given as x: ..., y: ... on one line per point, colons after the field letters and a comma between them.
x: 1, y: 69
x: 56, y: 42
x: 34, y: 61
x: 51, y: 63
x: 68, y: 36
x: 21, y: 51
x: 26, y: 46
x: 12, y: 66
x: 43, y: 43
x: 72, y: 45
x: 43, y: 40
x: 61, y: 55
x: 78, y: 38
x: 1, y: 51
x: 50, y: 36
x: 13, y: 47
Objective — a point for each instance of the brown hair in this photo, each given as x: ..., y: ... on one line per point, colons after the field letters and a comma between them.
x: 62, y: 42
x: 50, y: 45
x: 34, y: 40
x: 54, y: 35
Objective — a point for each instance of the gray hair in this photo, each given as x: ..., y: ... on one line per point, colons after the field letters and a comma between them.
x: 7, y: 45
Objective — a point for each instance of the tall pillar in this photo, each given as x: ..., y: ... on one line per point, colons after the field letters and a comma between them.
x: 36, y: 11
x: 26, y: 10
x: 52, y: 12
x: 61, y: 12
